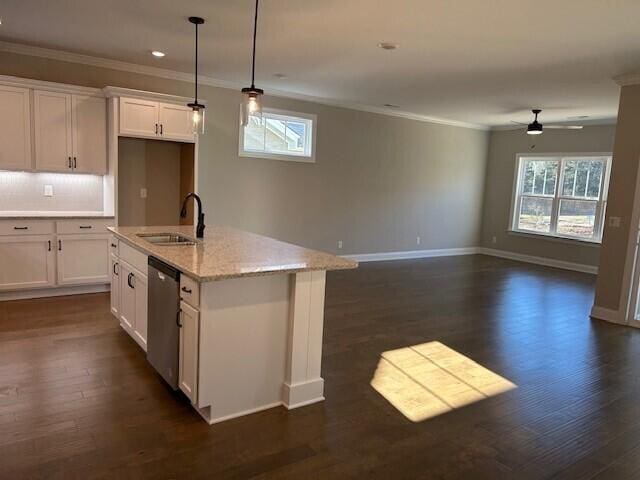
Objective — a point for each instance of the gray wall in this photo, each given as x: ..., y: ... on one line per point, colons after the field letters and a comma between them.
x: 377, y: 184
x: 503, y: 148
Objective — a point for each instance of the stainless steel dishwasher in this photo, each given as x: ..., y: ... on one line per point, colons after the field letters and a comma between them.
x: 163, y: 332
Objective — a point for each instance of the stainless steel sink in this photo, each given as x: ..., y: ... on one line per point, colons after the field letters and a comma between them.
x: 167, y: 239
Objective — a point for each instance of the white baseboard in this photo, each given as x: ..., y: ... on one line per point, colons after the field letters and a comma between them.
x: 443, y: 252
x: 205, y: 412
x: 607, y: 314
x: 53, y: 292
x: 301, y: 394
x: 548, y: 262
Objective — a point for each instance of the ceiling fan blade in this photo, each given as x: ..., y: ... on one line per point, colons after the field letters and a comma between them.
x: 564, y: 127
x: 519, y: 123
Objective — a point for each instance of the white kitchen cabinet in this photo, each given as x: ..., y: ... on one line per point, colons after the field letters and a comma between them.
x: 189, y: 351
x: 15, y: 129
x: 158, y: 120
x: 114, y: 267
x: 176, y: 122
x: 83, y: 259
x: 89, y: 116
x: 133, y: 302
x: 27, y: 262
x: 53, y: 126
x: 70, y: 132
x: 139, y: 118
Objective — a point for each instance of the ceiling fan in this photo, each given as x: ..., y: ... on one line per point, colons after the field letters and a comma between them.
x: 535, y: 127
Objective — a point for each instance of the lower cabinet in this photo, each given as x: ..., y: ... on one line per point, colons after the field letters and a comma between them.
x: 114, y: 267
x: 28, y: 261
x: 132, y: 306
x: 83, y: 259
x: 189, y: 351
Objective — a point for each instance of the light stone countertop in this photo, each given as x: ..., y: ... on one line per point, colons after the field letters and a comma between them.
x: 226, y: 252
x: 36, y: 215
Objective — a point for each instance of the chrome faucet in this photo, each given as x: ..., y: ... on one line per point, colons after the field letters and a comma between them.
x: 183, y: 213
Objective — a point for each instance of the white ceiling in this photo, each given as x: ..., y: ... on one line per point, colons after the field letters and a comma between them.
x: 478, y: 61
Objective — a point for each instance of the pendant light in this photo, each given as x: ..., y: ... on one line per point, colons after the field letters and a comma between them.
x: 197, y: 118
x: 252, y: 96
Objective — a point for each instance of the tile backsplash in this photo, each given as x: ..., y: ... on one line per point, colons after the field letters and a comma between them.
x: 25, y: 192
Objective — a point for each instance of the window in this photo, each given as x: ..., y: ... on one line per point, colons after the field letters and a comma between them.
x: 279, y: 135
x: 561, y: 195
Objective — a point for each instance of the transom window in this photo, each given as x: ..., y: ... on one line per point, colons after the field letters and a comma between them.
x: 561, y: 195
x: 279, y: 135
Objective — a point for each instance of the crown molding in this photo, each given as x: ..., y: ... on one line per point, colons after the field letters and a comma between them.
x: 627, y: 79
x: 49, y: 86
x: 100, y: 62
x: 110, y: 91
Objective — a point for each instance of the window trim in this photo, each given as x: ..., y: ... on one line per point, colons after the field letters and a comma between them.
x: 601, y: 204
x: 310, y: 136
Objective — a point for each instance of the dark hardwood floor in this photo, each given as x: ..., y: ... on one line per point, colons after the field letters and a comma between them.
x: 78, y: 400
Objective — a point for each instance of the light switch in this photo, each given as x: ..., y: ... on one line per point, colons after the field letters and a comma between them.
x: 614, y: 222
x: 48, y: 190
x: 143, y: 193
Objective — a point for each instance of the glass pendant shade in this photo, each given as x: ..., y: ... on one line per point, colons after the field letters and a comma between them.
x: 197, y: 118
x: 251, y: 104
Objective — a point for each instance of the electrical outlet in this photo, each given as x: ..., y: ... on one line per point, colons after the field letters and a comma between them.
x: 143, y: 193
x: 48, y: 190
x: 614, y: 222
x: 417, y: 240
x: 494, y: 240
x: 339, y: 244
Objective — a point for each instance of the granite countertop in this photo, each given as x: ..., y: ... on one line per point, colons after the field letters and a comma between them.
x: 34, y: 215
x: 226, y: 252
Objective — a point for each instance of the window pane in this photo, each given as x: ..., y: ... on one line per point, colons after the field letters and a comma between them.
x: 577, y: 217
x: 275, y: 138
x: 296, y: 134
x: 535, y: 214
x: 540, y: 177
x: 254, y: 134
x: 582, y: 178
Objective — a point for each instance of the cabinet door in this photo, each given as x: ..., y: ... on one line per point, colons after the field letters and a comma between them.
x: 27, y: 262
x: 52, y: 121
x: 83, y: 259
x: 189, y: 351
x: 175, y: 122
x: 89, y: 115
x: 141, y: 291
x: 127, y: 293
x: 114, y: 268
x: 15, y: 129
x: 139, y: 118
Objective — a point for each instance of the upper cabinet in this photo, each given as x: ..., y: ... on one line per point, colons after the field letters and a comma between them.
x: 159, y: 120
x: 70, y: 132
x: 15, y: 129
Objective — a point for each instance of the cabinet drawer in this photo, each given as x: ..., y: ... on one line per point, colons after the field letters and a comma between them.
x: 134, y: 257
x: 26, y: 227
x: 190, y: 291
x: 90, y: 225
x: 113, y: 245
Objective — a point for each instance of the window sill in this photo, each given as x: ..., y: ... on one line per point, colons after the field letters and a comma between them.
x: 278, y: 156
x: 554, y: 238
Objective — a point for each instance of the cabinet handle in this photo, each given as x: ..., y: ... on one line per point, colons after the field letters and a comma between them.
x: 69, y: 162
x: 186, y: 290
x: 178, y: 322
x: 113, y: 245
x: 156, y: 128
x: 21, y: 228
x: 89, y: 226
x: 160, y: 129
x: 75, y: 164
x: 49, y: 243
x: 129, y: 280
x: 115, y: 272
x: 59, y: 245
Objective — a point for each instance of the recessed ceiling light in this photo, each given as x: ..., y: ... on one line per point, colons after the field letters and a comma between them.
x: 388, y: 45
x: 279, y: 76
x: 157, y: 53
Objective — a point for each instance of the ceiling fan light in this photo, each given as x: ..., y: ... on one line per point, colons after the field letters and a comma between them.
x: 534, y: 128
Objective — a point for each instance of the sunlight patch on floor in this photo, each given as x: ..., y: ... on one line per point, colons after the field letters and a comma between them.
x: 426, y: 380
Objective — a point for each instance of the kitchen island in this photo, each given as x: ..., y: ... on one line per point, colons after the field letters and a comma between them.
x: 251, y: 314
